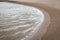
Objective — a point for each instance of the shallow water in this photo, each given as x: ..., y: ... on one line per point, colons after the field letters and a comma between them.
x: 18, y: 21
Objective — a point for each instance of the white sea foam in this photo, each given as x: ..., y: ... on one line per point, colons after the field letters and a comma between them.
x: 16, y: 18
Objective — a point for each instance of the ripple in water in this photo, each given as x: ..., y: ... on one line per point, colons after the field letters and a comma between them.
x: 18, y: 21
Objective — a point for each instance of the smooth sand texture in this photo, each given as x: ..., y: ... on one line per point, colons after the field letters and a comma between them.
x: 51, y: 3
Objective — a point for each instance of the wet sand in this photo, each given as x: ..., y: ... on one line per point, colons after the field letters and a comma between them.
x: 53, y: 30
